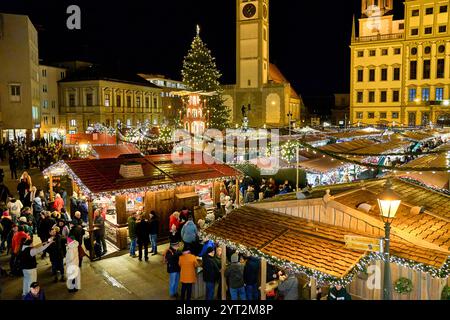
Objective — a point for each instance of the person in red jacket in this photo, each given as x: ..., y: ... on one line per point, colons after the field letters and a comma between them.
x: 59, y: 203
x: 174, y: 227
x: 17, y: 240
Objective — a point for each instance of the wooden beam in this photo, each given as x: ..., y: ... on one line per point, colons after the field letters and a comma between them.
x: 237, y: 192
x: 222, y: 272
x: 313, y: 289
x: 263, y: 278
x: 91, y: 228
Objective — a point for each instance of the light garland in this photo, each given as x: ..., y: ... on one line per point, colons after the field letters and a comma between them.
x: 324, y: 279
x: 289, y: 150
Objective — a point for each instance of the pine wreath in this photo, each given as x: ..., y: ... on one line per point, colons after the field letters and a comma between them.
x: 403, y: 286
x: 445, y: 293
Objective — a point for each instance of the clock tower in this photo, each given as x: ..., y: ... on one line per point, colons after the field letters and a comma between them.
x: 252, y: 47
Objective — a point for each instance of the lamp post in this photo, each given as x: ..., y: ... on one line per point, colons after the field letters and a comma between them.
x: 388, y: 202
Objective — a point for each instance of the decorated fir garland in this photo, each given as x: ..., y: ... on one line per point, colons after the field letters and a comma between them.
x: 403, y: 286
x: 289, y: 150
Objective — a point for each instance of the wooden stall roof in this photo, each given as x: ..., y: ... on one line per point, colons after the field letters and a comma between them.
x: 92, y: 138
x: 316, y: 246
x: 418, y: 135
x: 380, y: 148
x: 115, y: 151
x: 322, y: 164
x: 354, y: 134
x: 103, y: 175
x: 348, y: 146
x: 432, y: 226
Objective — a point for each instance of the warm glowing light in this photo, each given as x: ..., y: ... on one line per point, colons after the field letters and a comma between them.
x: 388, y: 202
x: 83, y: 147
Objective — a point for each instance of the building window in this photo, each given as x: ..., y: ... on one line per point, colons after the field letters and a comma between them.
x: 442, y: 29
x: 360, y: 75
x: 429, y: 11
x: 413, y: 51
x: 383, y: 115
x: 383, y: 96
x: 440, y: 68
x: 384, y: 52
x: 426, y: 94
x: 372, y: 75
x: 63, y: 75
x: 129, y: 123
x: 401, y: 26
x: 415, y: 32
x: 395, y: 96
x: 371, y: 115
x: 45, y: 120
x: 396, y: 75
x: 147, y: 102
x: 53, y: 104
x: 443, y: 9
x: 384, y: 74
x: 360, y: 54
x: 415, y: 13
x: 413, y: 70
x: 397, y: 51
x: 45, y: 104
x: 73, y: 123
x: 439, y: 94
x: 44, y: 73
x: 441, y: 49
x: 360, y: 97
x: 395, y: 115
x: 138, y: 102
x: 155, y: 103
x: 412, y: 94
x: 53, y: 120
x: 372, y: 96
x: 44, y: 88
x: 129, y: 101
x: 107, y: 100
x: 372, y: 53
x: 426, y: 69
x: 428, y: 30
x: 359, y: 115
x: 72, y: 100
x: 427, y: 50
x: 89, y: 99
x: 118, y: 101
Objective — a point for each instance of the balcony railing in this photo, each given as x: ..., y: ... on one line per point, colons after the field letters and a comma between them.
x: 380, y: 37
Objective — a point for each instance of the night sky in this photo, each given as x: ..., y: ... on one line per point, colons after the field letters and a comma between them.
x: 309, y: 39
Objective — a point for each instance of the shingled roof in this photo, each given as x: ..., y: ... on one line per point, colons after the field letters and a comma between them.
x: 101, y: 176
x: 316, y: 246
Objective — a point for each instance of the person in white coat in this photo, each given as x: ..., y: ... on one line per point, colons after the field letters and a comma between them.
x: 73, y: 271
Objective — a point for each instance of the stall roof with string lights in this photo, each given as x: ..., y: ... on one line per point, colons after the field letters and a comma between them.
x: 159, y: 172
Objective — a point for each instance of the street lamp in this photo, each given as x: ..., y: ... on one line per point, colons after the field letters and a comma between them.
x: 388, y: 202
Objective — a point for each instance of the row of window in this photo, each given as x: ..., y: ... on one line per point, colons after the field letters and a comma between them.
x: 73, y: 122
x: 62, y: 74
x: 45, y: 120
x: 383, y: 74
x: 426, y: 69
x: 382, y: 115
x: 425, y: 96
x: 428, y: 30
x: 427, y: 50
x: 90, y: 101
x: 384, y: 52
x: 383, y: 97
x: 429, y: 11
x: 45, y: 104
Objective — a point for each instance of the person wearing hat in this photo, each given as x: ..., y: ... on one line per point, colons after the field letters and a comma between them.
x: 35, y: 293
x: 7, y: 224
x: 171, y: 258
x: 29, y: 264
x: 72, y: 266
x: 288, y: 287
x: 24, y: 224
x: 235, y: 277
x: 188, y: 274
x: 211, y: 273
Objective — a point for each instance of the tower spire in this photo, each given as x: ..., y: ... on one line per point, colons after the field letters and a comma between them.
x: 354, y: 29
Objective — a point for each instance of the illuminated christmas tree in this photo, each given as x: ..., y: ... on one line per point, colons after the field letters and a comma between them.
x: 200, y: 73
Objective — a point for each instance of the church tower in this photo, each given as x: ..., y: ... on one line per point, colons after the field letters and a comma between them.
x: 252, y: 69
x: 376, y: 8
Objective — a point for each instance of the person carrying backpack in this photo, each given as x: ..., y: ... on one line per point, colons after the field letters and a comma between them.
x: 29, y: 264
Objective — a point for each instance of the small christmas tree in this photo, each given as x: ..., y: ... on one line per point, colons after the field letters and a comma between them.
x: 200, y: 73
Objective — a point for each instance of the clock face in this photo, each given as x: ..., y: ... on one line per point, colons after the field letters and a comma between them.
x: 265, y: 12
x: 249, y: 10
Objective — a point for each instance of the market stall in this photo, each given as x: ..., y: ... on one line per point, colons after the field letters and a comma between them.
x: 121, y: 187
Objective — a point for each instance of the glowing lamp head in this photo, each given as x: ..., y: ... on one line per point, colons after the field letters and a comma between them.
x: 83, y: 147
x: 389, y: 202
